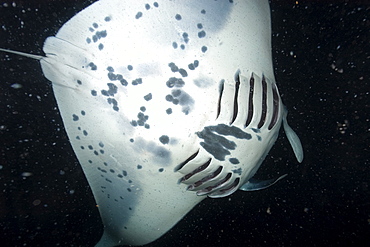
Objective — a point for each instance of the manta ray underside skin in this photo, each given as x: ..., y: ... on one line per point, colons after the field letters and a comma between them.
x: 166, y: 103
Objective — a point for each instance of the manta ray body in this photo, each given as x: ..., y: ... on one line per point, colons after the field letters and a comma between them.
x: 166, y: 103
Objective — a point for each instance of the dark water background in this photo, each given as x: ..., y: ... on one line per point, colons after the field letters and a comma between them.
x: 321, y: 56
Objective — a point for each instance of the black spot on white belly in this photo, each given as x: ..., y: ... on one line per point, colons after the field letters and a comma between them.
x: 138, y: 15
x: 164, y: 139
x: 175, y: 82
x: 201, y: 34
x: 234, y: 161
x: 148, y: 97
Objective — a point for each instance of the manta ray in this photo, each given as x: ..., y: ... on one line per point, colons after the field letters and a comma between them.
x: 166, y: 103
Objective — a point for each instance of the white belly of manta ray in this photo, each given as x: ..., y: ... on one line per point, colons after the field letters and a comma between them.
x: 166, y: 103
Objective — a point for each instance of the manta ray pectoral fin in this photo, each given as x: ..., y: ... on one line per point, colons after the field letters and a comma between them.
x: 255, y: 184
x: 293, y: 138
